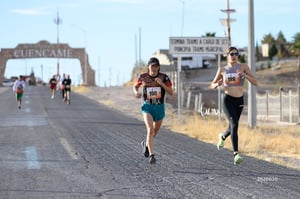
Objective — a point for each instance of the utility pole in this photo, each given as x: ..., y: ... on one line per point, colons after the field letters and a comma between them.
x: 182, y: 20
x: 140, y: 48
x: 226, y: 22
x: 42, y: 69
x: 57, y: 21
x: 99, y: 71
x: 136, y: 53
x: 109, y: 77
x: 251, y: 54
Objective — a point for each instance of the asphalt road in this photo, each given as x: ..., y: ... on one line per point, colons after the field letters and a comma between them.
x: 49, y: 149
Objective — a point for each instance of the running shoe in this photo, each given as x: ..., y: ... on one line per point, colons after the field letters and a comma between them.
x: 238, y: 159
x: 221, y: 142
x: 145, y: 149
x: 152, y: 159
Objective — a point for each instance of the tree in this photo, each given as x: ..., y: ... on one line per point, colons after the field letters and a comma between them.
x: 32, y: 80
x: 295, y: 48
x: 257, y: 54
x: 268, y: 39
x: 281, y: 43
x: 273, y: 51
x: 280, y: 38
x: 242, y: 58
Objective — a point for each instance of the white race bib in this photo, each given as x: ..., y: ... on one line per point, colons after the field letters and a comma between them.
x: 153, y: 92
x: 232, y: 79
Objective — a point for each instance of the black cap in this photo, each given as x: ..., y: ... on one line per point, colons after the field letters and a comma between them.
x: 153, y: 61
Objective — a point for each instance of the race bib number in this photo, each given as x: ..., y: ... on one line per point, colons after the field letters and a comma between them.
x: 232, y: 79
x: 153, y: 92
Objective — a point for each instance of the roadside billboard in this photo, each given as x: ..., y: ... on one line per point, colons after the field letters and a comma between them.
x: 197, y: 45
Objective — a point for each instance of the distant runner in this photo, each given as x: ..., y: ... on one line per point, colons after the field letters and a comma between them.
x: 18, y: 88
x: 62, y: 87
x: 52, y: 84
x: 67, y: 88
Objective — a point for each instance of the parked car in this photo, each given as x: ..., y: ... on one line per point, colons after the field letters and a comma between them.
x: 195, y: 61
x: 8, y: 82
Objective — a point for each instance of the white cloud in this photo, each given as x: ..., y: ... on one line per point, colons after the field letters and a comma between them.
x: 35, y: 11
x: 121, y: 1
x: 44, y: 10
x: 32, y: 11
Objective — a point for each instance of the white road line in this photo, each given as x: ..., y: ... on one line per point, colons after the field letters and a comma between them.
x: 68, y: 148
x: 31, y: 158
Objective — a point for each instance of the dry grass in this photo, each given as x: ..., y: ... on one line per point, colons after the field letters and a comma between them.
x: 266, y: 143
x: 85, y: 89
x: 80, y: 89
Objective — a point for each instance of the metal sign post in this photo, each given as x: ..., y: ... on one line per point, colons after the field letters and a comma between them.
x: 219, y: 89
x: 179, y: 85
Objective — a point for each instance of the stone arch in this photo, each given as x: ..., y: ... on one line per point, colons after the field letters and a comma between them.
x: 44, y: 49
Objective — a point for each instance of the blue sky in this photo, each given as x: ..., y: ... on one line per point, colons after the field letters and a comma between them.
x: 109, y: 29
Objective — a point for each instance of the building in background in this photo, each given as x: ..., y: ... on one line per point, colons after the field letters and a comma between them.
x: 197, y: 61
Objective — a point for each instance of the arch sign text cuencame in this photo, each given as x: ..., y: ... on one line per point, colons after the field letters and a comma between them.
x: 44, y: 49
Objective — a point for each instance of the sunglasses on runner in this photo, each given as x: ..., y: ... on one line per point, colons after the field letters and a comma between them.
x: 233, y: 54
